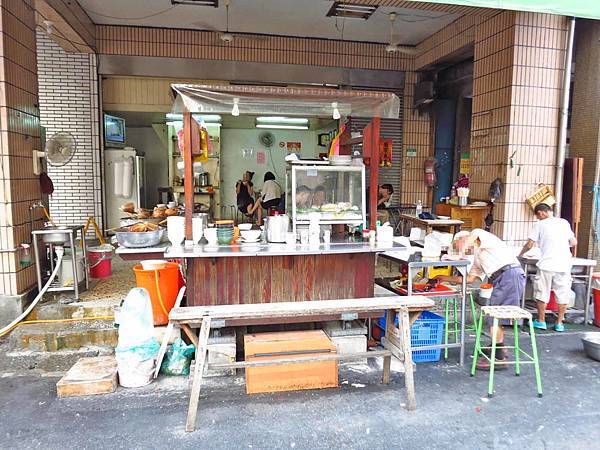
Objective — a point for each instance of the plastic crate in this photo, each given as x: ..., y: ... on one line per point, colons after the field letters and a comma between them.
x: 427, y: 330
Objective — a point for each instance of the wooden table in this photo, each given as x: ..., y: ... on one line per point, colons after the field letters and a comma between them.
x: 397, y: 342
x: 581, y: 268
x: 430, y: 225
x: 271, y: 272
x: 473, y: 216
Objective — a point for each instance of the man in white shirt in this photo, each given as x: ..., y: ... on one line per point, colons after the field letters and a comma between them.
x: 494, y: 260
x: 555, y: 238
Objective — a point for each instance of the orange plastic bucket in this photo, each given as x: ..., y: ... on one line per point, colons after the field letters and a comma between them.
x: 163, y: 286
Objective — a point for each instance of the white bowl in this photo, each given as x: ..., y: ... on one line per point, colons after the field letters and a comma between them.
x: 153, y: 264
x: 250, y: 235
x: 245, y: 226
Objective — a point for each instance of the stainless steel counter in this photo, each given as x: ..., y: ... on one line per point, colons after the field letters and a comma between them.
x: 262, y: 249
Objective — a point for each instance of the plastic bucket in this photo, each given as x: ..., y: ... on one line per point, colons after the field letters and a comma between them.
x: 552, y: 305
x: 596, y: 291
x: 163, y: 286
x: 66, y: 270
x: 485, y: 291
x: 99, y: 260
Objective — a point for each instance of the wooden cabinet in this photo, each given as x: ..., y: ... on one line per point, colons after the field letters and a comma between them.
x: 472, y: 216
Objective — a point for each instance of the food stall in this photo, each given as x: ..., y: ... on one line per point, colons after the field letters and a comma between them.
x: 277, y: 269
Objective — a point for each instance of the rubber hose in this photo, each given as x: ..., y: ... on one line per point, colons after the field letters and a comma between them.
x: 59, y: 255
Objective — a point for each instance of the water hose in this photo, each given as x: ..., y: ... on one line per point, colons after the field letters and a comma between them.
x: 60, y: 251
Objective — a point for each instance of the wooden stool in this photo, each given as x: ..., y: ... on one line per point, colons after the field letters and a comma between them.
x: 514, y: 314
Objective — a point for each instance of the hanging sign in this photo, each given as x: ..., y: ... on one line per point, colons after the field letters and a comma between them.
x: 465, y: 163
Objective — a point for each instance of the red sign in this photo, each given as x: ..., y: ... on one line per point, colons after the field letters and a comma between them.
x: 294, y: 146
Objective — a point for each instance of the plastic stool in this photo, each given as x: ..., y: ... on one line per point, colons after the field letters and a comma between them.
x: 514, y: 314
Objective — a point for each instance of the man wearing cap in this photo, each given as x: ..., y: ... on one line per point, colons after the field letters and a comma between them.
x: 555, y: 238
x: 492, y: 258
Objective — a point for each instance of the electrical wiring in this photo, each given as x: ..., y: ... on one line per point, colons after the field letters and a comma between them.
x: 96, y: 13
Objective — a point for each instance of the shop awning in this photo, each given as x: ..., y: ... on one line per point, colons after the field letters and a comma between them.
x: 589, y: 9
x: 274, y: 100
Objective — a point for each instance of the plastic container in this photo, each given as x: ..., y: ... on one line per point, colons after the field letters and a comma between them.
x: 163, y: 286
x: 552, y: 305
x: 66, y: 269
x: 427, y: 330
x: 596, y: 291
x: 485, y: 290
x: 100, y: 261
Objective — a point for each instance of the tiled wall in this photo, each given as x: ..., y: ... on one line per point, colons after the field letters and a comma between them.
x: 193, y: 44
x: 585, y: 127
x: 19, y: 136
x: 518, y: 69
x: 68, y: 90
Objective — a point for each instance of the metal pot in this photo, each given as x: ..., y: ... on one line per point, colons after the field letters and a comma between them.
x: 202, y: 179
x: 277, y: 228
x: 591, y: 345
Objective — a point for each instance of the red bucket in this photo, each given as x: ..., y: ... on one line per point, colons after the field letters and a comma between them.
x: 99, y: 259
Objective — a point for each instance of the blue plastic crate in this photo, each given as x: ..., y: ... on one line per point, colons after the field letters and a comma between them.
x: 427, y: 330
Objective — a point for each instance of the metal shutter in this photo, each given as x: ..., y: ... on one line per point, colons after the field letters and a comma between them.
x: 390, y: 129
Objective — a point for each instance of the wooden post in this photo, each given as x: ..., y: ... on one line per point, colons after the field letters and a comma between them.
x: 188, y: 174
x: 371, y: 150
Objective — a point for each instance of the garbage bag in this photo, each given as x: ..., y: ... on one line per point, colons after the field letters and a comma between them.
x: 136, y: 324
x: 137, y: 347
x: 177, y: 358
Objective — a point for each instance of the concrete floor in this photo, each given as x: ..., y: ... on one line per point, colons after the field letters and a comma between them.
x: 453, y: 411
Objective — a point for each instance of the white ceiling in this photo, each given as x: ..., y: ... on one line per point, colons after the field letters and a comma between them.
x: 303, y: 18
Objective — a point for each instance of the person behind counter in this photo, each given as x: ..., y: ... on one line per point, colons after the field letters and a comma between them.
x: 271, y: 192
x: 303, y: 197
x: 245, y: 197
x: 384, y: 200
x: 492, y: 258
x: 384, y: 196
x: 555, y: 238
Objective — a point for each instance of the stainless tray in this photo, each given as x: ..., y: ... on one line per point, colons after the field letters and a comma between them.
x: 131, y: 239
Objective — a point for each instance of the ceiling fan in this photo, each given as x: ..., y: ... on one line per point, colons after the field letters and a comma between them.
x: 393, y: 46
x: 226, y: 36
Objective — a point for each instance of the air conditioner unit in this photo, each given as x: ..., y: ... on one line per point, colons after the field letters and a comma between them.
x: 424, y: 93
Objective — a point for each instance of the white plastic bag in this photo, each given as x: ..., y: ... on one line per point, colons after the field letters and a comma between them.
x: 136, y: 324
x: 137, y: 348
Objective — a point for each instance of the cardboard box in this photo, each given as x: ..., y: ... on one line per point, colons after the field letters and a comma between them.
x: 289, y: 377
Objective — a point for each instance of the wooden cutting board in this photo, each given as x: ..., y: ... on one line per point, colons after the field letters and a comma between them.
x: 89, y: 376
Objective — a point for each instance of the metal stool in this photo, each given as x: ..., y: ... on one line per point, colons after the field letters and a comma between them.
x: 514, y: 314
x: 455, y: 323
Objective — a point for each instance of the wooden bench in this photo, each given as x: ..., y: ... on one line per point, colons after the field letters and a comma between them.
x: 397, y: 342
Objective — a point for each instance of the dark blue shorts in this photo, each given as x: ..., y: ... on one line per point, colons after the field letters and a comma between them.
x: 508, y: 289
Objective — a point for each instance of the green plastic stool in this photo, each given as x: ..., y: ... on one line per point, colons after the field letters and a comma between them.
x: 513, y: 313
x: 455, y: 320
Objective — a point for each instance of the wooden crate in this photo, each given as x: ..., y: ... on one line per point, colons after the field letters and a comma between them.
x: 289, y: 377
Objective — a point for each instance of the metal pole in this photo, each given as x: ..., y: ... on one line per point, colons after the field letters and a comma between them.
x: 564, y: 115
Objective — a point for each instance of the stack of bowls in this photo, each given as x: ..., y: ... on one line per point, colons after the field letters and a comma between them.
x: 224, y: 231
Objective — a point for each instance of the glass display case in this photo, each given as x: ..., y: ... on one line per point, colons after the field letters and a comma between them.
x: 337, y: 193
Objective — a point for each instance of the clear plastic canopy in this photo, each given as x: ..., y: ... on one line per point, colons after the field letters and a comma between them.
x: 274, y: 100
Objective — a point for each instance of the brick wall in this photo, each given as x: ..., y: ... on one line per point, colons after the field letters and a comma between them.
x: 68, y: 90
x: 585, y: 127
x: 19, y: 136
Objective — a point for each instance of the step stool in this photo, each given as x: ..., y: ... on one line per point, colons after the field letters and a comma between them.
x: 452, y: 319
x: 514, y: 314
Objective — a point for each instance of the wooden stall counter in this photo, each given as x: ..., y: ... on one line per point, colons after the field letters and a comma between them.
x: 266, y: 273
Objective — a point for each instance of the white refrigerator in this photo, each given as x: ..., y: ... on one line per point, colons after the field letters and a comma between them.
x: 124, y: 182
